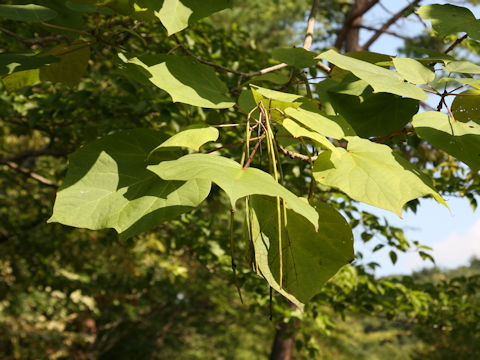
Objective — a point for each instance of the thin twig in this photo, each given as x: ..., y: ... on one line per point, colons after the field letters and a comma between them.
x: 36, y: 41
x: 253, y: 152
x: 458, y: 41
x: 389, y: 32
x: 294, y: 155
x: 307, y: 43
x: 35, y: 176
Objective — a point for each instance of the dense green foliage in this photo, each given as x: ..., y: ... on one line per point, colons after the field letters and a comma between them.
x: 231, y: 187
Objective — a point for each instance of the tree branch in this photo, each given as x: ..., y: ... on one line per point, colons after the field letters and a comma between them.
x: 347, y: 25
x: 294, y: 155
x: 306, y: 45
x: 390, y: 22
x: 458, y: 41
x: 36, y: 41
x: 385, y: 31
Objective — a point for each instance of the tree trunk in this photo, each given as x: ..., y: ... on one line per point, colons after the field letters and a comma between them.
x: 352, y: 40
x: 284, y: 342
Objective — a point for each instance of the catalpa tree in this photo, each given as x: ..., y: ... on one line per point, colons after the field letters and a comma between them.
x: 283, y: 142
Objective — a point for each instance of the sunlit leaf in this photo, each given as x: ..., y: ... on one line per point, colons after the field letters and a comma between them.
x: 327, y: 125
x: 186, y: 80
x: 234, y: 180
x: 192, y: 137
x: 382, y: 80
x: 413, y: 71
x: 461, y: 140
x: 374, y: 174
x: 450, y: 19
x: 176, y: 15
x: 309, y: 257
x: 108, y: 186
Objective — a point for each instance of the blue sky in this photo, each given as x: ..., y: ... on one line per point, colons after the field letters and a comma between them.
x: 453, y: 234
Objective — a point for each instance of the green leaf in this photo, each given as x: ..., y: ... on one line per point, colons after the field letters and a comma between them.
x: 186, y: 80
x: 192, y: 138
x: 374, y: 174
x: 299, y: 131
x: 465, y: 81
x: 276, y: 95
x: 327, y: 125
x: 297, y: 57
x: 382, y: 80
x: 30, y: 12
x: 466, y: 106
x: 108, y: 186
x: 461, y: 140
x: 450, y: 19
x: 370, y: 115
x: 11, y: 62
x: 177, y: 15
x: 393, y: 256
x: 413, y: 71
x: 69, y: 70
x: 73, y: 64
x: 234, y: 180
x: 309, y: 257
x: 462, y: 66
x: 272, y: 99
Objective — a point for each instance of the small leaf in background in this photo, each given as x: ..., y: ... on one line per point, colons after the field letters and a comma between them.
x: 449, y: 19
x: 381, y: 79
x: 192, y: 138
x: 297, y: 57
x: 309, y: 257
x: 461, y: 140
x: 177, y: 15
x: 327, y: 125
x: 374, y: 174
x: 413, y: 71
x: 186, y: 80
x: 108, y: 186
x: 466, y: 106
x: 393, y: 256
x: 235, y: 181
x: 30, y: 12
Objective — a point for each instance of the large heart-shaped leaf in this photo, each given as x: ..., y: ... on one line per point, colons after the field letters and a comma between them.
x: 450, y: 19
x: 374, y: 174
x: 176, y: 15
x: 30, y: 12
x: 461, y: 140
x: 235, y: 181
x: 186, y: 80
x: 309, y: 257
x: 381, y: 79
x: 108, y: 186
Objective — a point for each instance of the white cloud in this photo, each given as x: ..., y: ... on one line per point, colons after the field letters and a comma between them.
x: 454, y: 250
